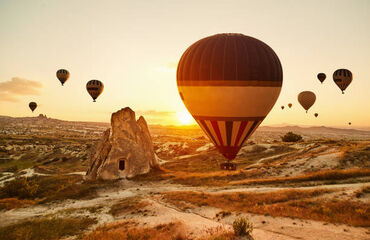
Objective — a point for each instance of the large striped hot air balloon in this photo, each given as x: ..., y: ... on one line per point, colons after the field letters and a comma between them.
x: 94, y: 88
x: 306, y: 99
x: 229, y: 83
x: 32, y: 106
x: 62, y: 75
x: 343, y: 78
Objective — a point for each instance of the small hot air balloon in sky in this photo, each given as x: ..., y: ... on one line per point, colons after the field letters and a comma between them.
x: 282, y: 107
x: 316, y: 114
x: 349, y: 123
x: 32, y: 106
x: 343, y: 78
x: 321, y: 77
x: 290, y: 105
x: 306, y: 99
x: 226, y: 92
x: 94, y: 88
x: 62, y: 75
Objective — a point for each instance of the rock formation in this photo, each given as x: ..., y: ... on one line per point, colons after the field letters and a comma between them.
x: 125, y: 151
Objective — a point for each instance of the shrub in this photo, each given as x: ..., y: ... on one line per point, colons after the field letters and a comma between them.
x: 242, y: 226
x: 291, y: 137
x: 19, y: 187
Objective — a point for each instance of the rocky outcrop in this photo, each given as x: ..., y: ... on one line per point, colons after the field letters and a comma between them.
x: 125, y: 151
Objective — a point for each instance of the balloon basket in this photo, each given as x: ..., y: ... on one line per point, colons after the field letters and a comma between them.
x: 228, y: 166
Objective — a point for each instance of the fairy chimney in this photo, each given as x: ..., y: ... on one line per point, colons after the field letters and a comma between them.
x: 124, y: 151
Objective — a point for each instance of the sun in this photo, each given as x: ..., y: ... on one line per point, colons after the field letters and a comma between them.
x: 185, y: 118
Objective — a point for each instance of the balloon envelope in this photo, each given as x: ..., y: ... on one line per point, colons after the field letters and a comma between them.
x: 343, y: 78
x: 282, y: 107
x: 94, y: 88
x: 62, y: 75
x: 226, y: 92
x: 321, y: 77
x: 316, y: 114
x: 32, y: 106
x: 306, y: 99
x: 290, y: 105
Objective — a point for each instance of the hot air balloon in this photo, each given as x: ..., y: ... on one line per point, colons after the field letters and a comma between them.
x: 62, y: 75
x: 321, y: 77
x: 290, y: 105
x: 342, y: 77
x: 316, y: 114
x: 32, y: 106
x: 282, y: 107
x: 227, y: 92
x: 349, y: 123
x: 306, y: 99
x: 95, y: 88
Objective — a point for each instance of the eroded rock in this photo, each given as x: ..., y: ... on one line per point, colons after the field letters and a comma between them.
x: 125, y: 151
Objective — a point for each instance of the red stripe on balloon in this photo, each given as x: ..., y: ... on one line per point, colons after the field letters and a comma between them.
x: 217, y: 131
x: 240, y: 132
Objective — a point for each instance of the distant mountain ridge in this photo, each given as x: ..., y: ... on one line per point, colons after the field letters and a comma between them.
x: 315, y: 129
x: 271, y: 128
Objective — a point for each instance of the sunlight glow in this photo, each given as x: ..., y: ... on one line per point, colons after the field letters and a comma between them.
x: 185, y: 118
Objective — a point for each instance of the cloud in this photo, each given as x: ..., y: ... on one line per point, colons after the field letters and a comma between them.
x: 154, y: 113
x: 168, y: 67
x: 158, y: 117
x: 10, y: 90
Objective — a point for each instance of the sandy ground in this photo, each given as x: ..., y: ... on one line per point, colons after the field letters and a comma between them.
x: 197, y: 221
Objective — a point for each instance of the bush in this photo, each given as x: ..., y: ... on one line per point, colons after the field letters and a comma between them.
x: 242, y: 226
x: 291, y: 137
x: 20, y: 187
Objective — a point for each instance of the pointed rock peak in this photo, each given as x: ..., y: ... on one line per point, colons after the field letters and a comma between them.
x: 142, y: 123
x: 125, y: 114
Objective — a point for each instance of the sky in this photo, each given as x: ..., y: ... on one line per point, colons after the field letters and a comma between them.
x: 133, y: 47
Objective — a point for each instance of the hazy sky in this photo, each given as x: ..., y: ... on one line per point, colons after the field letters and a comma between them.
x: 134, y: 46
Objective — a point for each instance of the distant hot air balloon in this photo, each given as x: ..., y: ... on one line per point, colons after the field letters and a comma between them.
x: 321, y: 77
x: 349, y: 123
x: 306, y: 99
x: 32, y: 106
x: 342, y: 77
x: 95, y: 88
x: 290, y: 105
x: 316, y: 114
x: 282, y: 107
x: 62, y: 75
x: 226, y: 92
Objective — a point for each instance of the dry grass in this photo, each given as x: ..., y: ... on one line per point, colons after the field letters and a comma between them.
x: 10, y: 203
x: 356, y: 155
x: 130, y: 230
x: 45, y: 189
x: 304, y: 204
x: 313, y: 176
x: 127, y: 205
x: 45, y: 228
x: 362, y: 192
